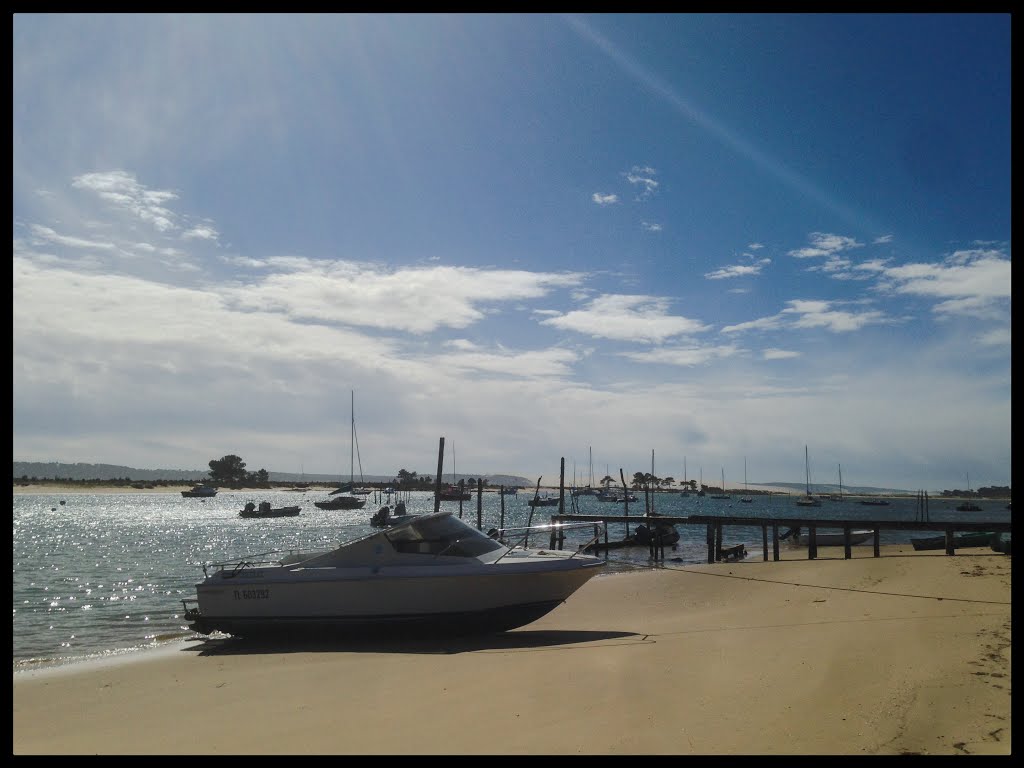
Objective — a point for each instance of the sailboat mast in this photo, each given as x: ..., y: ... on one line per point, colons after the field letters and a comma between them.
x: 352, y: 442
x: 807, y: 470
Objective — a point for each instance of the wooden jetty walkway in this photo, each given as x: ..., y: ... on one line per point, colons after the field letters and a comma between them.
x: 715, y: 526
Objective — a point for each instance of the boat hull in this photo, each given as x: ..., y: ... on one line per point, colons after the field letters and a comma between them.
x: 274, y: 512
x: 494, y: 597
x: 831, y: 539
x: 341, y: 502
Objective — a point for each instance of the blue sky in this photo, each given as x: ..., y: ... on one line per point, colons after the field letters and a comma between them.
x: 717, y: 237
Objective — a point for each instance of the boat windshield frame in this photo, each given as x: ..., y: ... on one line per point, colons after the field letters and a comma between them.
x: 444, y: 533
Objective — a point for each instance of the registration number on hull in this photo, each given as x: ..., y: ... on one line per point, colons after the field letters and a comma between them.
x: 251, y: 594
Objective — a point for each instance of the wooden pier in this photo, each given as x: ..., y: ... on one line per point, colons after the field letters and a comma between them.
x: 715, y: 526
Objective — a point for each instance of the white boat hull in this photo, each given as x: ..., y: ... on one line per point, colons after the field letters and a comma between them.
x: 833, y: 539
x: 383, y: 581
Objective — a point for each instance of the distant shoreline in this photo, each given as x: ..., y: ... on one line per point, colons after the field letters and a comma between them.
x: 42, y: 489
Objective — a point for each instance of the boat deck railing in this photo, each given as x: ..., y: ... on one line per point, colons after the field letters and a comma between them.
x: 273, y: 557
x: 519, y: 538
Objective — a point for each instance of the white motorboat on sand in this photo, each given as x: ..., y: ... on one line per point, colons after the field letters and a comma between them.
x: 433, y: 572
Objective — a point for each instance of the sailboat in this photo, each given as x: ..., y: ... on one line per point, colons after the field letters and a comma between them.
x: 745, y: 498
x: 686, y: 485
x: 700, y: 485
x: 808, y: 500
x: 590, y: 490
x: 338, y: 500
x: 723, y: 494
x: 968, y: 506
x: 452, y: 491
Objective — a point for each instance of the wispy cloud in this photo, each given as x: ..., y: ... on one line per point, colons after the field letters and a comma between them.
x: 45, y: 234
x: 681, y: 356
x: 812, y: 314
x: 121, y: 190
x: 642, y: 177
x: 738, y: 270
x: 779, y: 354
x: 600, y: 199
x: 647, y: 226
x: 823, y: 244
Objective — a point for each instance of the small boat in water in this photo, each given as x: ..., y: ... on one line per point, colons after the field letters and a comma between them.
x: 454, y: 493
x: 341, y: 502
x: 265, y: 510
x: 543, y: 501
x: 200, y: 491
x: 435, y: 573
x: 963, y: 540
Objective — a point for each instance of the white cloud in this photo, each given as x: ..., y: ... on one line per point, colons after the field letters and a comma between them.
x: 647, y: 226
x: 600, y: 199
x: 626, y: 318
x: 201, y: 232
x: 819, y: 314
x: 738, y: 270
x: 823, y: 244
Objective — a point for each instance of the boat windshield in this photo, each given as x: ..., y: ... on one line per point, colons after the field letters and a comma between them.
x: 444, y: 534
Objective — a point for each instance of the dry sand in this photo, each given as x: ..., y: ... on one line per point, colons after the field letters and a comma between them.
x: 904, y: 654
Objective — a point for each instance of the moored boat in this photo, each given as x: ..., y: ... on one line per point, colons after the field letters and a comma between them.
x: 200, y: 491
x: 959, y: 541
x: 543, y: 501
x: 265, y: 510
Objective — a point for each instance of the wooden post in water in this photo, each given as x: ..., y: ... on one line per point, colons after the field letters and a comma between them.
x: 764, y: 540
x: 437, y: 480
x: 479, y: 503
x: 775, y: 541
x: 709, y: 536
x: 625, y: 499
x: 501, y: 523
x: 529, y: 520
x: 462, y: 492
x: 847, y: 553
x: 718, y: 541
x: 812, y: 542
x: 561, y: 487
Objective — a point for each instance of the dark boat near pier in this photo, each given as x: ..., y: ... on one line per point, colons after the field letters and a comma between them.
x: 963, y: 540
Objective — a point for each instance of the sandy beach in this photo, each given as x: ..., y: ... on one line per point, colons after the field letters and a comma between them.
x: 908, y: 653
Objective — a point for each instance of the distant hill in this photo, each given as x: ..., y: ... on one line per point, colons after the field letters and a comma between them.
x: 81, y: 471
x: 827, y: 488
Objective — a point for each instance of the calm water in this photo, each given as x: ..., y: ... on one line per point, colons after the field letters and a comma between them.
x: 104, y: 574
